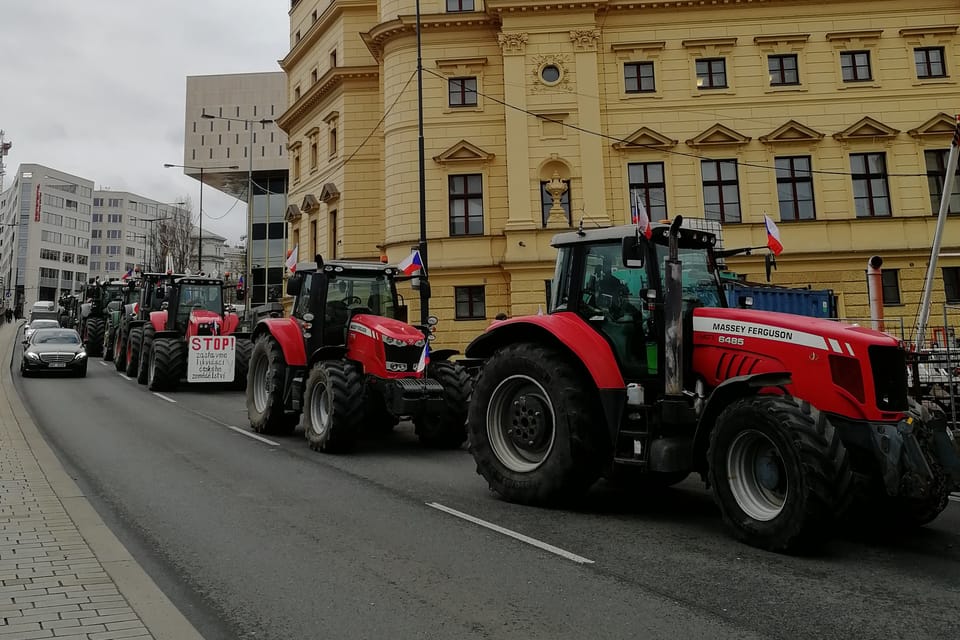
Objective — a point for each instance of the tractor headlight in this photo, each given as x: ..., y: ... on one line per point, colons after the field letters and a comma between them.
x: 393, y: 342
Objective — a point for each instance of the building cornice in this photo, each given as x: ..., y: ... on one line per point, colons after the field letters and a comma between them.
x: 334, y: 10
x: 376, y: 38
x: 332, y: 80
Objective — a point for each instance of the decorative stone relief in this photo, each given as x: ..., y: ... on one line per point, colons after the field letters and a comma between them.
x: 551, y: 72
x: 513, y: 43
x: 584, y: 39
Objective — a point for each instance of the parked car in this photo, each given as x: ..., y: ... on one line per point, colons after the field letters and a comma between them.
x: 54, y: 351
x: 39, y: 324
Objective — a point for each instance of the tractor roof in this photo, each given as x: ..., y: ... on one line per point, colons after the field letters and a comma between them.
x: 201, y: 280
x: 372, y: 268
x: 688, y: 236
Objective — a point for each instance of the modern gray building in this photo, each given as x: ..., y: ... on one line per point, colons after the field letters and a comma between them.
x: 230, y: 122
x: 45, y: 237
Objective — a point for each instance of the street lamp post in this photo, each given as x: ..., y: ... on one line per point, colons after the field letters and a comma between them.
x: 200, y: 232
x: 263, y: 122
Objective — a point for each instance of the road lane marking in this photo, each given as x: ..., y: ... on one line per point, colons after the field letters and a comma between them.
x: 250, y: 434
x: 125, y: 377
x: 513, y: 534
x: 167, y: 398
x: 955, y: 497
x: 106, y: 364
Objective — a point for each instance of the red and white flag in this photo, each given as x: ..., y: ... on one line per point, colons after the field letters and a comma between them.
x: 640, y: 217
x: 773, y: 236
x: 292, y: 258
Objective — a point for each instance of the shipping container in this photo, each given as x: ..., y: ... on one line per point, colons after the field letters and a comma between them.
x: 814, y: 303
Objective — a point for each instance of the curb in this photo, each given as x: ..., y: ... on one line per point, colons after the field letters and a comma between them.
x: 158, y: 614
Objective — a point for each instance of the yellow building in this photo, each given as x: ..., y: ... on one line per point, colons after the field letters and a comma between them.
x: 834, y: 118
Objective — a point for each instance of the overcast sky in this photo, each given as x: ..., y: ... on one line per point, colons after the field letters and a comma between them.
x: 96, y: 88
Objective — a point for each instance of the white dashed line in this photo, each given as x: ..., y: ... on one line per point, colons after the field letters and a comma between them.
x: 513, y: 534
x: 106, y: 364
x: 250, y: 434
x: 163, y: 397
x: 125, y: 377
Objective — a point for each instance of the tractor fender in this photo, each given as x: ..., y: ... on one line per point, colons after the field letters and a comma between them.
x: 287, y: 333
x: 565, y: 330
x: 720, y: 398
x: 230, y: 323
x: 159, y: 320
x: 328, y: 353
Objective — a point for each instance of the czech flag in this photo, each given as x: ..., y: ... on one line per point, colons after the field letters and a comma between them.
x: 412, y: 263
x: 640, y: 217
x: 128, y: 274
x: 292, y: 257
x: 773, y: 236
x: 424, y: 358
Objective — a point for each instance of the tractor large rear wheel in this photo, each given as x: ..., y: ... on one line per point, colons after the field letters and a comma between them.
x: 779, y: 472
x: 447, y: 428
x: 133, y: 351
x: 93, y: 337
x: 266, y: 378
x: 167, y: 364
x: 533, y: 425
x: 120, y: 349
x: 143, y: 368
x: 333, y: 406
x: 241, y: 363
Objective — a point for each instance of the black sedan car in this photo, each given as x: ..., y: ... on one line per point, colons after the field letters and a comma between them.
x: 54, y: 351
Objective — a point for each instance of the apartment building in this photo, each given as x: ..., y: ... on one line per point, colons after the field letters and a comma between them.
x: 832, y: 117
x: 45, y: 237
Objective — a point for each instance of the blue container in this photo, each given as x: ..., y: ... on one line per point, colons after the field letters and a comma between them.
x: 814, y: 303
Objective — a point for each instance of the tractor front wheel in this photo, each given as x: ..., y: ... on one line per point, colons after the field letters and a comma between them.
x: 241, y: 363
x: 333, y: 406
x: 143, y: 368
x: 120, y: 349
x: 93, y: 337
x: 533, y: 425
x: 779, y: 472
x: 266, y: 380
x: 166, y: 365
x: 447, y: 428
x: 133, y: 351
x: 108, y: 343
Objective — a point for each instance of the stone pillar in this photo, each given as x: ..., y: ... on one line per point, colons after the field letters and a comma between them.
x: 588, y: 108
x: 520, y: 214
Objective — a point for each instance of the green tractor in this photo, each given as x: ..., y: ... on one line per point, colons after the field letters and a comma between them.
x: 117, y: 309
x: 96, y: 299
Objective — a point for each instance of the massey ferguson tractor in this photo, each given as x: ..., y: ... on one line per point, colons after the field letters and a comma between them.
x: 347, y: 360
x: 188, y: 335
x: 640, y: 372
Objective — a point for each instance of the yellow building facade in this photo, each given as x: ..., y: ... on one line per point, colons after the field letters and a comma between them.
x: 833, y: 118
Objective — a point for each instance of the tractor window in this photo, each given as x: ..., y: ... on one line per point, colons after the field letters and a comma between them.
x: 372, y: 293
x: 201, y: 296
x: 303, y: 298
x: 560, y: 293
x: 700, y: 284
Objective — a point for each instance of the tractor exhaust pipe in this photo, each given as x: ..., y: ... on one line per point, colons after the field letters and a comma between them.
x: 673, y: 314
x: 875, y: 291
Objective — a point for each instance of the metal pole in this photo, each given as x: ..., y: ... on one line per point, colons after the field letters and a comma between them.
x: 951, y: 383
x: 948, y: 181
x: 424, y: 290
x: 200, y: 233
x: 248, y: 277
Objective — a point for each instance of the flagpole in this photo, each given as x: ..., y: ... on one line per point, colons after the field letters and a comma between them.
x: 422, y: 245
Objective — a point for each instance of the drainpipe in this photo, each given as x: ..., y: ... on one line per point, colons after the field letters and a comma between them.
x: 875, y: 291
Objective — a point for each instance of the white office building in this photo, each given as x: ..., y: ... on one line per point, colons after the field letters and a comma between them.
x: 45, y: 237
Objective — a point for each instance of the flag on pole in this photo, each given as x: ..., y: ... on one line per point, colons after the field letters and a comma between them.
x: 424, y: 358
x: 128, y: 274
x: 412, y: 263
x: 292, y: 258
x: 640, y: 217
x: 773, y: 236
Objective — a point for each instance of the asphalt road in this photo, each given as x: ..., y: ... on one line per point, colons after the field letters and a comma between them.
x: 263, y: 538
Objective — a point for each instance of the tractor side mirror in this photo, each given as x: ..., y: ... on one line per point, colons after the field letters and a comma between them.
x: 631, y: 252
x: 403, y: 313
x: 293, y: 286
x: 769, y: 264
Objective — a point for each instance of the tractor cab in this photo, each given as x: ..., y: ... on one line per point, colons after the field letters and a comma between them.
x: 616, y: 282
x: 194, y: 306
x: 343, y: 290
x: 112, y: 295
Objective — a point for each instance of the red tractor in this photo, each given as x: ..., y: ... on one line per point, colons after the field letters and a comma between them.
x: 189, y: 335
x: 640, y: 372
x: 347, y: 360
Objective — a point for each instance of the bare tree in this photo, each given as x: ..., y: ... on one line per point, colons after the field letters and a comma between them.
x: 170, y: 236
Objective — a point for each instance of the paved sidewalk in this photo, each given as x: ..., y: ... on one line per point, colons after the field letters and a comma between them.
x: 63, y: 574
